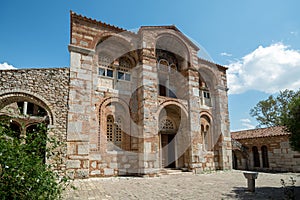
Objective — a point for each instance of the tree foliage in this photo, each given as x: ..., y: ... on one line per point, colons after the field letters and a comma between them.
x: 23, y: 171
x: 281, y: 110
x: 291, y: 121
x: 269, y: 112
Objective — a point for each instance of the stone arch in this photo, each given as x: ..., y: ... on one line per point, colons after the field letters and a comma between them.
x: 174, y: 141
x: 116, y: 45
x: 208, y: 76
x: 175, y: 44
x: 171, y: 102
x: 120, y: 109
x: 100, y: 37
x: 7, y: 97
x: 206, y: 131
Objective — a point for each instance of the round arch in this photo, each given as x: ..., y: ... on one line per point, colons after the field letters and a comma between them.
x: 8, y: 97
x: 173, y: 43
x: 171, y: 102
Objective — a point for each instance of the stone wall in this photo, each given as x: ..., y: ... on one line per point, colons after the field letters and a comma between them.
x: 47, y: 87
x: 280, y: 155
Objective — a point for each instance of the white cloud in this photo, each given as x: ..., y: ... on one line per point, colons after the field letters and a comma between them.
x: 267, y: 69
x: 6, y: 66
x: 295, y: 33
x: 225, y: 54
x: 246, y: 123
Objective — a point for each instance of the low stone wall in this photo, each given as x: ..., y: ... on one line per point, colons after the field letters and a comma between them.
x: 47, y: 87
x: 280, y: 155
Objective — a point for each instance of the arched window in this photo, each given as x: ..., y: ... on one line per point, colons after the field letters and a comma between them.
x: 256, y: 161
x: 119, y: 69
x: 204, y: 93
x: 114, y: 130
x: 264, y: 155
x: 167, y: 68
x: 205, y: 132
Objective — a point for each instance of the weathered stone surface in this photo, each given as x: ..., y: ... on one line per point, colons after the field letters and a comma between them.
x: 73, y: 164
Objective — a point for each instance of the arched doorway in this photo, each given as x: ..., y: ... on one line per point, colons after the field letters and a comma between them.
x: 173, y: 137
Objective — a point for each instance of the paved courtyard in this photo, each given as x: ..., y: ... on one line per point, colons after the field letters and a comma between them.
x: 215, y: 185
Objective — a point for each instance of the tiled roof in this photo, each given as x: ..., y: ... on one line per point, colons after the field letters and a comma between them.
x: 258, y: 133
x: 75, y: 15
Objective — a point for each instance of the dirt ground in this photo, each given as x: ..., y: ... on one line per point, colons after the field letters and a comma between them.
x: 214, y: 185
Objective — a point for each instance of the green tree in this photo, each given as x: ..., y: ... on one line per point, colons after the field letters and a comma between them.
x: 23, y: 171
x: 269, y: 112
x: 291, y: 121
x: 281, y: 110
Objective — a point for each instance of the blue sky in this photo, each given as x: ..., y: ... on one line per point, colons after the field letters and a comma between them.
x: 258, y: 40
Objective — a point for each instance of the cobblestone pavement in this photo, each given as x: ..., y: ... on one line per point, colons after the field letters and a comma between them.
x: 215, y: 185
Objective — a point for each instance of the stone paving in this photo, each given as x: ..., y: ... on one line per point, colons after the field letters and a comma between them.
x: 214, y: 185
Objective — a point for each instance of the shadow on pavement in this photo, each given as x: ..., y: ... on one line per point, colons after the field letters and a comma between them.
x: 262, y: 193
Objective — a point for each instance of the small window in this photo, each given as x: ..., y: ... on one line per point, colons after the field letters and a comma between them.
x: 120, y: 75
x: 127, y: 77
x: 106, y: 72
x: 206, y: 95
x: 124, y: 76
x: 101, y: 72
x: 110, y: 73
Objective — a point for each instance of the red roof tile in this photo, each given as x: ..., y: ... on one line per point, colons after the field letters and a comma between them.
x: 258, y: 133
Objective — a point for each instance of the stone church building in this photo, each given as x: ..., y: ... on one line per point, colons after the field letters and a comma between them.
x: 130, y: 103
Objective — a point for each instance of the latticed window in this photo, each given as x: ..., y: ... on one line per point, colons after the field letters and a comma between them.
x: 104, y: 60
x: 110, y: 128
x: 118, y: 131
x: 114, y: 130
x: 166, y: 124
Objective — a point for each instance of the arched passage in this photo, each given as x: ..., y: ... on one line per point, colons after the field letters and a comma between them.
x: 173, y: 136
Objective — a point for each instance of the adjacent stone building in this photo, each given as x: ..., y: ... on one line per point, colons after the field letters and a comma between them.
x: 265, y: 149
x: 130, y: 103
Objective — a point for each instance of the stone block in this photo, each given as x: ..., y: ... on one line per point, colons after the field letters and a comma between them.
x: 95, y: 172
x: 108, y: 172
x: 71, y: 148
x: 126, y: 166
x: 83, y: 149
x: 94, y: 164
x: 102, y: 165
x: 95, y: 157
x: 113, y: 165
x: 73, y: 164
x: 85, y: 164
x: 82, y: 173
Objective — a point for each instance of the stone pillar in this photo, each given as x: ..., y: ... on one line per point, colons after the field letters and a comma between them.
x: 225, y: 152
x: 25, y: 108
x: 149, y: 159
x: 194, y: 120
x: 80, y: 110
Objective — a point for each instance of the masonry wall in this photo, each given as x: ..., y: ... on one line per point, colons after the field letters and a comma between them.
x: 281, y: 156
x: 48, y: 87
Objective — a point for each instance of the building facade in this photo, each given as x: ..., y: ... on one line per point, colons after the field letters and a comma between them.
x: 265, y: 149
x: 130, y: 103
